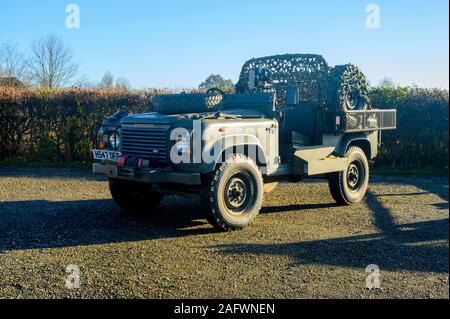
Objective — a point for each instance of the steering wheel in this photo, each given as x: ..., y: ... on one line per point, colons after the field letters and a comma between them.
x: 216, y: 89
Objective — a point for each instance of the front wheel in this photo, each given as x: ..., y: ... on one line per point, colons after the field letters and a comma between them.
x: 350, y: 186
x: 233, y: 194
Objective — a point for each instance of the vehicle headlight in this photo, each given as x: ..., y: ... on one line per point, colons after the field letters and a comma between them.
x: 183, y: 145
x: 114, y: 139
x: 103, y: 138
x: 109, y: 138
x: 182, y: 149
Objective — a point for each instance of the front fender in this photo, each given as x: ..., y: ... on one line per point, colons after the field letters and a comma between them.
x: 215, y: 151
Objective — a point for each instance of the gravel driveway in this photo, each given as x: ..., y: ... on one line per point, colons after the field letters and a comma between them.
x: 301, y: 246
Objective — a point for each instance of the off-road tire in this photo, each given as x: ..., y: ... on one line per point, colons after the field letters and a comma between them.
x: 340, y: 187
x: 348, y: 89
x: 215, y: 200
x: 134, y: 198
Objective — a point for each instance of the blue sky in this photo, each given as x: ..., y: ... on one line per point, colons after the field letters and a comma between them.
x: 177, y: 43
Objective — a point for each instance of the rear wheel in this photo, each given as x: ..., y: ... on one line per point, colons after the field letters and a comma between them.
x: 233, y: 194
x: 350, y: 186
x: 134, y: 198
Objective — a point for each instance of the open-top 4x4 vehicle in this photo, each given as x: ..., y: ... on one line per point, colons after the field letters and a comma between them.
x: 292, y: 117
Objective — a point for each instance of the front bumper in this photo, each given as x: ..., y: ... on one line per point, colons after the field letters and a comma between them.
x: 147, y: 175
x: 98, y: 168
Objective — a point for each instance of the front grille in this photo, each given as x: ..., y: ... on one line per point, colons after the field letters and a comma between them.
x: 145, y: 142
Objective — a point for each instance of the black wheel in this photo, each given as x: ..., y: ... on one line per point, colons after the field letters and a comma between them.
x: 133, y: 197
x: 350, y: 186
x: 233, y: 194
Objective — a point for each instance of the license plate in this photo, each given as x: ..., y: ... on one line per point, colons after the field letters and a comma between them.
x: 106, y: 155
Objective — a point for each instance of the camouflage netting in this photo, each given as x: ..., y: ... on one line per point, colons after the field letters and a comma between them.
x: 308, y: 72
x: 316, y: 81
x: 343, y: 87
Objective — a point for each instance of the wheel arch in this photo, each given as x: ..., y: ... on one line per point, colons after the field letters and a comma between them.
x: 252, y: 150
x: 366, y: 142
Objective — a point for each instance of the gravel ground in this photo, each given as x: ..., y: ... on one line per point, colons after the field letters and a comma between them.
x: 301, y: 246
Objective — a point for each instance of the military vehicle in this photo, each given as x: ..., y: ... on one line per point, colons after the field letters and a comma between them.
x: 291, y: 117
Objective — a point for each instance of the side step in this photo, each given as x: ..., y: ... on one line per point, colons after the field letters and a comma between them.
x: 317, y: 160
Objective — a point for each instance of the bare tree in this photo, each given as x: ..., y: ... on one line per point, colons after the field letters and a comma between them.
x: 1, y: 59
x: 122, y: 83
x: 51, y: 63
x: 12, y: 63
x: 107, y: 80
x: 386, y: 82
x: 82, y: 81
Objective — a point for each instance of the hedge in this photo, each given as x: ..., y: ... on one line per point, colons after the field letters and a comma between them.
x: 60, y: 125
x: 421, y: 138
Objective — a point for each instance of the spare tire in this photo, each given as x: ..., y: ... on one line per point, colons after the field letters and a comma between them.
x: 186, y: 103
x: 348, y: 89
